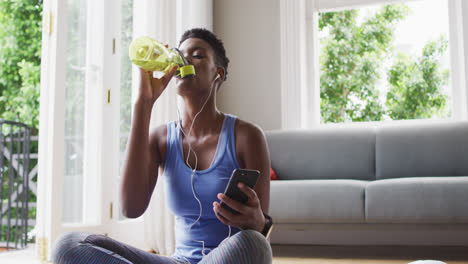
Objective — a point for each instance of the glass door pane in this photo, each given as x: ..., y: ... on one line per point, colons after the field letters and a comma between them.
x: 125, y: 79
x: 75, y: 111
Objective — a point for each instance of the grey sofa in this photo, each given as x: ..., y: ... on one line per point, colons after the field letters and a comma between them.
x: 403, y: 184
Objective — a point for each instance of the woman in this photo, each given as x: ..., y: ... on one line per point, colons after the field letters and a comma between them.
x: 197, y: 154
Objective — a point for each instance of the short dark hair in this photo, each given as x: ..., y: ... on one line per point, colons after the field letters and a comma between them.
x: 215, y: 43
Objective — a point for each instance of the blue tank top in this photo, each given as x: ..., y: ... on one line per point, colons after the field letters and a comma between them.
x: 207, y: 184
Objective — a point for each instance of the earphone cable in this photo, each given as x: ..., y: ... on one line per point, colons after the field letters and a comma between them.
x: 196, y: 163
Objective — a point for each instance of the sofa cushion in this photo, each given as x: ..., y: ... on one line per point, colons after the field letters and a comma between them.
x: 273, y: 176
x: 439, y: 149
x: 418, y: 200
x: 323, y: 153
x: 317, y: 201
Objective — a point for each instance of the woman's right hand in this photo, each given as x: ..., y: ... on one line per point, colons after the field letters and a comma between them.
x: 151, y: 88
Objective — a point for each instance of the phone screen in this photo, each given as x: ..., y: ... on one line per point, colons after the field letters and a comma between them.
x: 248, y: 177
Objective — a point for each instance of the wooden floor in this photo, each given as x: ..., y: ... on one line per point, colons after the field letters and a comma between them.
x: 283, y: 254
x: 289, y: 254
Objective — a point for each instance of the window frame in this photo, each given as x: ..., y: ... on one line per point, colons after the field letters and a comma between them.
x: 300, y: 71
x: 98, y: 165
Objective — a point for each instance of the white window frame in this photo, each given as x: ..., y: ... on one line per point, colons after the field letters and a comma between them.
x: 300, y: 70
x: 102, y: 116
x: 99, y: 168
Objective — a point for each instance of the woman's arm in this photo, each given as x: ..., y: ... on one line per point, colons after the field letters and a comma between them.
x: 252, y: 153
x: 142, y: 159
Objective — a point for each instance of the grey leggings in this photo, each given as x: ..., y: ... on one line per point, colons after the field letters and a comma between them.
x: 246, y: 246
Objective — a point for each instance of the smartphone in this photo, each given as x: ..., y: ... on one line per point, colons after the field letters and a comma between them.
x: 248, y: 177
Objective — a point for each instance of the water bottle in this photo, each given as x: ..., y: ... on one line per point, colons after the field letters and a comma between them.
x: 151, y: 55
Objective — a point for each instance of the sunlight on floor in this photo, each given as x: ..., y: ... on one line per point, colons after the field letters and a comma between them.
x: 21, y: 256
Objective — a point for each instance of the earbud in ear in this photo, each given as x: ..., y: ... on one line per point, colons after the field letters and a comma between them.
x: 217, y: 76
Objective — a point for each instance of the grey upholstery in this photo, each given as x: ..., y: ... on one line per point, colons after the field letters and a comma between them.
x: 408, y: 174
x: 323, y: 154
x: 422, y: 150
x: 418, y: 200
x: 318, y: 201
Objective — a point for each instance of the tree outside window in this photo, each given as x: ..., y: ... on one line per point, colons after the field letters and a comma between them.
x: 364, y: 78
x: 20, y: 57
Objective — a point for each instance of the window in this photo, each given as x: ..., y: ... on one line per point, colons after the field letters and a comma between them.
x: 75, y: 112
x: 373, y: 60
x: 125, y: 75
x: 385, y: 62
x: 126, y: 35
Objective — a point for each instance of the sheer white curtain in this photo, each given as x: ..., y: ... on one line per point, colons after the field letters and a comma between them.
x: 165, y: 20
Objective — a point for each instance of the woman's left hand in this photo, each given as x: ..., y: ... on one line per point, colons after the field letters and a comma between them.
x: 250, y: 214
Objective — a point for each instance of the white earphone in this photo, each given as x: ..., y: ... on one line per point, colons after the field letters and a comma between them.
x: 218, y: 76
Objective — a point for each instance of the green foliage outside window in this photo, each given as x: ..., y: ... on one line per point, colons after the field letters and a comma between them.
x: 20, y: 57
x: 20, y: 60
x: 351, y: 66
x: 415, y: 84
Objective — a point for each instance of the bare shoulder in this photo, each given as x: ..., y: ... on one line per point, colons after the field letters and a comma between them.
x: 247, y: 132
x: 157, y: 141
x: 159, y: 131
x: 250, y: 142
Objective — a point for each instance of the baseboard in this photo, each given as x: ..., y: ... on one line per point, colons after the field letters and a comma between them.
x: 371, y: 234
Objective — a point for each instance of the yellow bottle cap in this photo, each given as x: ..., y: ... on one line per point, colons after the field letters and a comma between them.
x: 187, y: 71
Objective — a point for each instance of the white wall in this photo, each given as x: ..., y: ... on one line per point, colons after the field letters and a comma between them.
x: 251, y: 34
